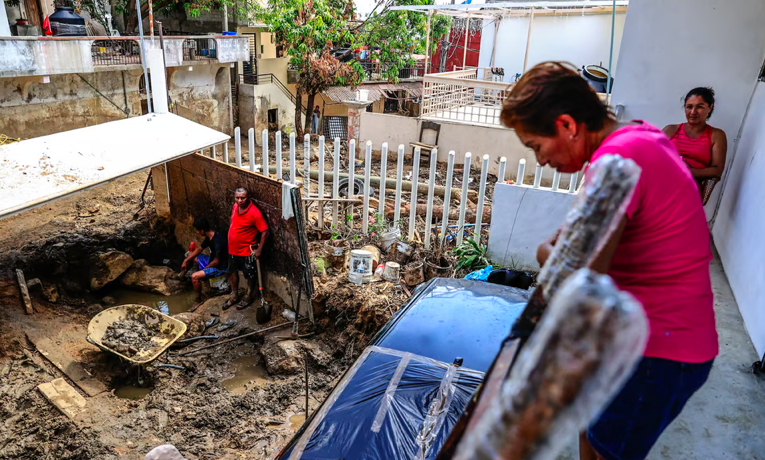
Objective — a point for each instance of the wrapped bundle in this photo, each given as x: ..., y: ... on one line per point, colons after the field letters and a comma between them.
x: 583, y: 350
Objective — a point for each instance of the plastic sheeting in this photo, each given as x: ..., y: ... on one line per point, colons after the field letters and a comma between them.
x: 389, y: 405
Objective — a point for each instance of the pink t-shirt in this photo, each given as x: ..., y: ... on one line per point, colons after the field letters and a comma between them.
x: 664, y: 252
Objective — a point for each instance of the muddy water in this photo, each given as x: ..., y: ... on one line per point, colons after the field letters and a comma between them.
x: 130, y: 392
x: 167, y: 304
x: 246, y: 369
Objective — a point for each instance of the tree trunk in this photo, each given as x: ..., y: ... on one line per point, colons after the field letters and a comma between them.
x: 309, y: 112
x: 298, y: 103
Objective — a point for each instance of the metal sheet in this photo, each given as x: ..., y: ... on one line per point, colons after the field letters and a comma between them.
x: 40, y: 170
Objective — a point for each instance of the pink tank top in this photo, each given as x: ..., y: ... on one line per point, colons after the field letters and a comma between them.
x: 696, y: 152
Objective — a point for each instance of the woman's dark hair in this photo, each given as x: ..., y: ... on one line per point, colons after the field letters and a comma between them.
x: 708, y: 94
x: 201, y: 223
x: 549, y: 90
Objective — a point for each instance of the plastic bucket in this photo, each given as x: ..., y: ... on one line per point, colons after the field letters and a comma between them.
x: 392, y: 272
x: 413, y: 274
x: 437, y: 271
x: 388, y: 238
x: 361, y: 264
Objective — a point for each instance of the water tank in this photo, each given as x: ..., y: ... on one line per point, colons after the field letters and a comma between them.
x: 64, y: 22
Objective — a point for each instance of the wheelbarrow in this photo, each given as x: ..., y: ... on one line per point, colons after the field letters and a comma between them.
x: 170, y: 330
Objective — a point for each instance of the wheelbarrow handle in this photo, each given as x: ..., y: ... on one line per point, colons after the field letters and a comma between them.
x: 201, y: 337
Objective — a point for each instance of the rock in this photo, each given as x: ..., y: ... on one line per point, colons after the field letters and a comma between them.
x: 143, y: 277
x: 50, y: 293
x: 95, y: 309
x: 107, y: 267
x: 108, y: 300
x: 286, y: 356
x: 194, y: 323
x: 34, y: 282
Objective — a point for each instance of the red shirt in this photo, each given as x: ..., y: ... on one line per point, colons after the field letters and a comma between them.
x: 663, y: 255
x: 244, y: 230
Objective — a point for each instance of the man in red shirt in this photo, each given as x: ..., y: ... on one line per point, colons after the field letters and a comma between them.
x: 246, y: 239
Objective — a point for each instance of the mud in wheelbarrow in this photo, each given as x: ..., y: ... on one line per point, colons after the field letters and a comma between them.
x: 169, y: 330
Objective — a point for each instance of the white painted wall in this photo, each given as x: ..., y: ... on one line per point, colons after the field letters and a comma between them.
x: 576, y: 38
x: 5, y: 29
x: 393, y: 129
x: 669, y: 48
x: 738, y: 227
x: 521, y: 218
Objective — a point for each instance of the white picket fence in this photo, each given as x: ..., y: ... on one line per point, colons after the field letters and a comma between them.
x: 319, y: 194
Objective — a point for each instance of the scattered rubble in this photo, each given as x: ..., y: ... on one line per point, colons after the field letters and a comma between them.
x: 107, y: 267
x: 143, y: 277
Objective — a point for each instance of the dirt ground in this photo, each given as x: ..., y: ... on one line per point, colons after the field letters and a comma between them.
x: 194, y: 409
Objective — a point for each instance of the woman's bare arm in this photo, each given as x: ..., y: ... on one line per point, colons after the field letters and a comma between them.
x: 719, y: 153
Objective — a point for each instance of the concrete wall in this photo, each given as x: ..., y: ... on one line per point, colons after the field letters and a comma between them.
x: 738, y: 227
x: 576, y: 38
x: 462, y: 138
x: 521, y: 218
x: 254, y: 103
x: 663, y: 55
x: 25, y: 56
x: 31, y: 108
x: 203, y: 94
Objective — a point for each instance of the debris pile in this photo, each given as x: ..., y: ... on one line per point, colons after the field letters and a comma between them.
x: 128, y: 336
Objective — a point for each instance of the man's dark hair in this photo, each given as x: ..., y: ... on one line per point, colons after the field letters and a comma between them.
x: 708, y: 94
x: 242, y: 190
x: 201, y: 223
x: 548, y: 90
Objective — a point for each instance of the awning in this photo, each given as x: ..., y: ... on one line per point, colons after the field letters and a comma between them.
x: 376, y: 91
x: 36, y: 171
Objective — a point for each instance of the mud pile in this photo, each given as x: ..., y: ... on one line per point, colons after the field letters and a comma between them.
x: 128, y: 336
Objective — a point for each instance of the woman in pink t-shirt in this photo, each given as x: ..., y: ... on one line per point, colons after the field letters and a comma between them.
x: 660, y: 252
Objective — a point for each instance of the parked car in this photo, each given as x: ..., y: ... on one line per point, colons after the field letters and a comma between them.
x: 404, y: 394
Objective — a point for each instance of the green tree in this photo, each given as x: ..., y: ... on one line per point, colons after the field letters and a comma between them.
x: 314, y: 34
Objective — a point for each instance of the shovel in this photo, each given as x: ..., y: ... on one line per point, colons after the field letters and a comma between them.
x: 263, y: 314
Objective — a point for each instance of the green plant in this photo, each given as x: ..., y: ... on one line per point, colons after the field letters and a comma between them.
x: 377, y: 225
x: 336, y: 235
x: 470, y: 255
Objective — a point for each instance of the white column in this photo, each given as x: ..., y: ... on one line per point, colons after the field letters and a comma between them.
x: 399, y: 178
x: 156, y: 61
x: 463, y: 200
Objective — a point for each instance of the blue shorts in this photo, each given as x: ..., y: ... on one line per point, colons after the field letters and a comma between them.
x: 212, y: 272
x: 649, y: 401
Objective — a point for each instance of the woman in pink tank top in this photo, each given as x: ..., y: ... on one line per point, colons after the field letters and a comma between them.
x: 702, y: 147
x: 660, y: 252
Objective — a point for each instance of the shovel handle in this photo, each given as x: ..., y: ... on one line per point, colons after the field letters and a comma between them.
x: 260, y: 278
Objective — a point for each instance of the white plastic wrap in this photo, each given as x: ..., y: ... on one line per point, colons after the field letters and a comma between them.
x: 583, y: 350
x: 594, y: 216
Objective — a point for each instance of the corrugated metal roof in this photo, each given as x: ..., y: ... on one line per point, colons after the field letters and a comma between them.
x: 376, y: 91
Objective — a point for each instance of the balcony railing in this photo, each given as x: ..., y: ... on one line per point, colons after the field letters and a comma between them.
x: 29, y: 56
x: 115, y: 52
x: 460, y: 96
x: 380, y: 71
x: 197, y: 49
